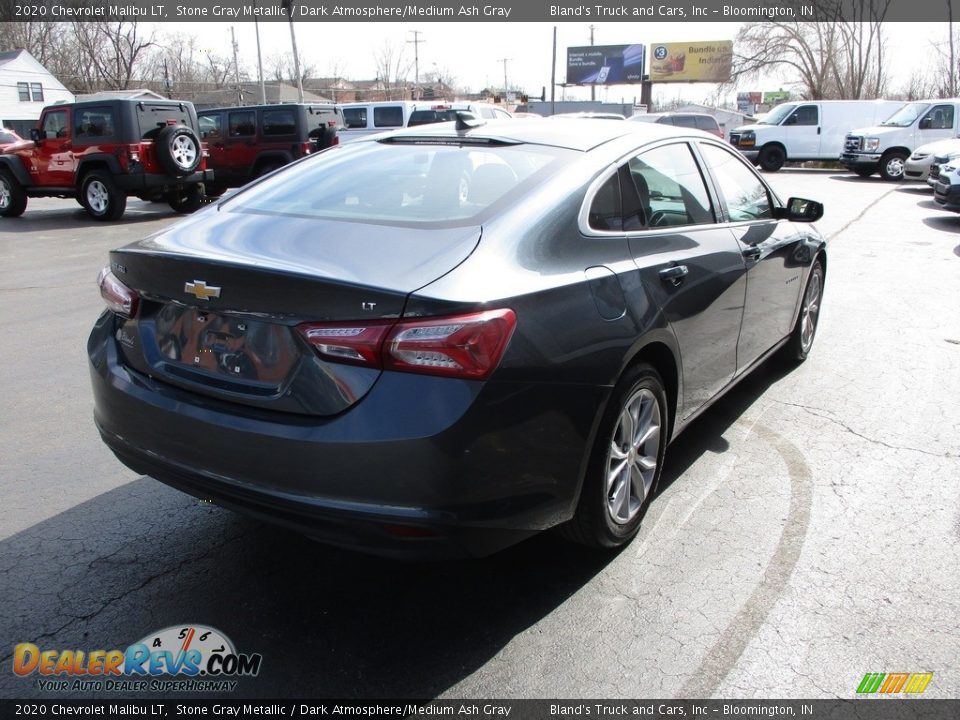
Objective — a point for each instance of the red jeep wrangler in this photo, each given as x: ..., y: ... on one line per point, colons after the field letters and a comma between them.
x: 103, y: 151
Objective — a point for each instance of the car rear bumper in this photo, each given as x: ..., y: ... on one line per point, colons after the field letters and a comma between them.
x: 136, y: 183
x: 421, y: 467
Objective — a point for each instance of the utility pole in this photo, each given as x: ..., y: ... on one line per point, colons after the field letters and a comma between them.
x: 236, y: 67
x: 553, y: 74
x: 593, y: 87
x: 166, y: 80
x: 505, y: 86
x: 416, y: 62
x: 263, y: 87
x: 288, y: 5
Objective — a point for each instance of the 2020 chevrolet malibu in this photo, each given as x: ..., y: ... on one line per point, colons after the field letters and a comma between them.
x: 443, y: 340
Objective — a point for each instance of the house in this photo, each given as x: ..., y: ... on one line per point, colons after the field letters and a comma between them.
x: 138, y: 94
x: 26, y: 87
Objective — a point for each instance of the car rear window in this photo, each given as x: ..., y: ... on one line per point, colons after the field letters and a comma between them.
x: 427, y: 117
x: 391, y: 116
x: 705, y: 122
x: 155, y: 116
x: 404, y: 184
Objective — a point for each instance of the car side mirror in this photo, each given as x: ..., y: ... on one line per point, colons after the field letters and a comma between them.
x: 35, y: 135
x: 800, y: 210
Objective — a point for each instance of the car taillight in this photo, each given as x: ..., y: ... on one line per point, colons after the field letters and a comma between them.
x: 466, y: 346
x: 133, y: 153
x: 306, y: 148
x: 117, y: 296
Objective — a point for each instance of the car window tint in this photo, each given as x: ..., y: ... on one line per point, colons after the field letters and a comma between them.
x: 705, y: 122
x: 55, y: 125
x: 404, y: 184
x: 391, y: 116
x: 279, y: 122
x: 686, y: 121
x: 210, y: 126
x: 93, y: 122
x: 745, y: 194
x: 663, y: 187
x: 941, y: 117
x: 605, y: 209
x: 355, y: 117
x: 805, y: 115
x: 242, y: 124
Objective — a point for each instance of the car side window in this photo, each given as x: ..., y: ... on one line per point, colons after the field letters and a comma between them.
x: 707, y: 123
x: 355, y: 117
x: 391, y: 116
x: 745, y: 194
x: 55, y: 125
x: 804, y: 115
x: 93, y: 122
x: 210, y: 126
x: 663, y: 187
x: 941, y: 117
x: 242, y: 124
x: 605, y: 209
x: 279, y: 122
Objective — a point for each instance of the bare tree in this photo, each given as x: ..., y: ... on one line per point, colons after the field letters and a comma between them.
x: 392, y: 69
x: 281, y: 68
x: 839, y: 57
x: 109, y: 52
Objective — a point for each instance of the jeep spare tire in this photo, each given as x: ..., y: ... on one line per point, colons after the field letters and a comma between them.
x: 178, y: 150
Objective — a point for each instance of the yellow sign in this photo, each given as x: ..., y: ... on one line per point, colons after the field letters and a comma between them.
x: 691, y: 62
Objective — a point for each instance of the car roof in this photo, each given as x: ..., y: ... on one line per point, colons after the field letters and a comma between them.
x: 581, y: 134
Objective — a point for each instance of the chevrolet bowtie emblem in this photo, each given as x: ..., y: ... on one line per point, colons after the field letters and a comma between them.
x: 201, y: 290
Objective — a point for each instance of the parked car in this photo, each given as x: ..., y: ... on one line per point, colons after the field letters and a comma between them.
x: 918, y: 165
x: 945, y: 156
x: 887, y: 146
x: 103, y: 151
x: 358, y: 348
x: 947, y: 190
x: 809, y: 130
x: 247, y: 142
x: 8, y: 137
x: 698, y: 121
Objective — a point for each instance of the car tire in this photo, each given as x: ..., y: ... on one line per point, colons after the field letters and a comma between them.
x: 13, y: 198
x: 625, y: 463
x: 101, y: 198
x: 178, y: 150
x: 864, y: 172
x: 186, y: 199
x: 772, y: 158
x: 267, y: 168
x: 892, y: 166
x: 805, y: 331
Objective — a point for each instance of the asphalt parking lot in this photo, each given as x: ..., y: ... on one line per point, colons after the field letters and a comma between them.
x: 807, y: 530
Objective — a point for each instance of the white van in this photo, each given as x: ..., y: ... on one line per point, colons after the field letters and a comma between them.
x: 886, y: 146
x: 814, y: 130
x: 360, y: 118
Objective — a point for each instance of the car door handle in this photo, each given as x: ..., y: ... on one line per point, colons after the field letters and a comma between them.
x: 674, y: 274
x: 752, y: 253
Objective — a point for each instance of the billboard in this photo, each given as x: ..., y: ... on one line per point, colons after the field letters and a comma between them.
x: 605, y: 64
x: 691, y: 62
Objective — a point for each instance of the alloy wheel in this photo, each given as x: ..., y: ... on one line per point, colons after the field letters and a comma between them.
x: 632, y: 458
x: 97, y: 197
x: 184, y: 151
x: 5, y: 197
x: 811, y: 308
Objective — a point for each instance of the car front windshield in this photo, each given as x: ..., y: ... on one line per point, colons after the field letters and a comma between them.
x: 777, y: 115
x: 907, y: 115
x: 423, y: 183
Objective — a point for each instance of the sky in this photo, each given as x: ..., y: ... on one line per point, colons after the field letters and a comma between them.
x: 473, y: 52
